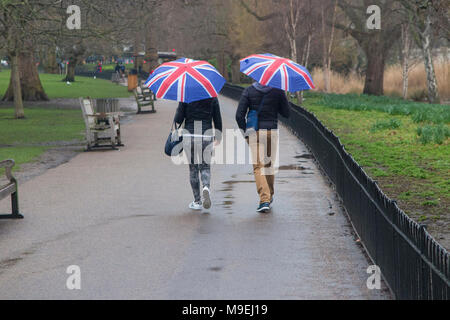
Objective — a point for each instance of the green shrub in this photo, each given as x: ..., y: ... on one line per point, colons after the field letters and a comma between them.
x: 420, y: 112
x: 430, y: 203
x: 433, y: 116
x: 437, y: 134
x: 386, y: 124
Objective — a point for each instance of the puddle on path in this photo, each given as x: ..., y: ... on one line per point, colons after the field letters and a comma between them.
x: 230, y: 183
x: 304, y: 156
x: 228, y: 200
x: 293, y: 167
x: 215, y: 269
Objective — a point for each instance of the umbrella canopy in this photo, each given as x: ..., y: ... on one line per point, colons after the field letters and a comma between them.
x: 185, y: 80
x: 277, y: 72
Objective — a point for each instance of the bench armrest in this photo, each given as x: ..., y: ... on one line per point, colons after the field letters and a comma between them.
x: 101, y: 116
x: 8, y: 165
x: 112, y: 117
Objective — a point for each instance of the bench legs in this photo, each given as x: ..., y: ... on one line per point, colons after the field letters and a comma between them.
x: 15, y: 208
x: 140, y: 111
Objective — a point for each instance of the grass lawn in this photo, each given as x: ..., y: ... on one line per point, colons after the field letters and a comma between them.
x: 40, y: 126
x: 20, y: 155
x: 82, y: 87
x: 402, y: 145
x: 25, y: 140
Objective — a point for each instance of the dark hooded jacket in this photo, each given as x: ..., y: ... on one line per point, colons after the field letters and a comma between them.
x: 275, y: 103
x: 206, y: 111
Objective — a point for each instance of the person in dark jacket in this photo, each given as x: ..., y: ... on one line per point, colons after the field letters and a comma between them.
x: 198, y: 118
x: 264, y: 141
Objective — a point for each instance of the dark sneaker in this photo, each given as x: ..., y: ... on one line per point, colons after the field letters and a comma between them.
x: 206, y: 198
x: 263, y: 207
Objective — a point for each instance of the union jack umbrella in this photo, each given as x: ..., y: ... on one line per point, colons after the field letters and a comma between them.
x: 185, y: 80
x: 277, y: 72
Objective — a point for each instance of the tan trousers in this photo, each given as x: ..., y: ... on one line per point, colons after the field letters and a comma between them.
x: 263, y: 146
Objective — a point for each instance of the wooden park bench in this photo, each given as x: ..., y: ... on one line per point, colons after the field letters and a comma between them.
x: 145, y: 93
x: 116, y: 78
x: 102, y: 129
x: 10, y: 189
x: 141, y: 103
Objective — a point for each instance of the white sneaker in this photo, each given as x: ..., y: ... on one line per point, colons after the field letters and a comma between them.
x: 206, y: 198
x: 195, y: 205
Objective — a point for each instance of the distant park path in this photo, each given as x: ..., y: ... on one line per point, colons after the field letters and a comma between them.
x: 122, y: 217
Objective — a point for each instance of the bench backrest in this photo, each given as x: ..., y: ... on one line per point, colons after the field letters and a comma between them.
x: 136, y: 94
x: 11, y: 185
x: 88, y: 110
x: 8, y: 165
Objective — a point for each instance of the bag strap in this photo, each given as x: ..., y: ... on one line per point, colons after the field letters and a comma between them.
x: 261, y: 104
x: 175, y: 125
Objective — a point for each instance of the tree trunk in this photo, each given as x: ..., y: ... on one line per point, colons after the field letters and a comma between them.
x: 405, y: 58
x: 326, y: 59
x: 326, y: 76
x: 222, y: 64
x: 405, y: 74
x: 76, y: 55
x: 293, y: 46
x: 17, y: 96
x: 31, y: 86
x: 235, y: 70
x: 308, y: 50
x: 70, y: 77
x: 49, y: 61
x: 433, y: 92
x: 375, y: 68
x: 305, y: 63
x: 151, y: 52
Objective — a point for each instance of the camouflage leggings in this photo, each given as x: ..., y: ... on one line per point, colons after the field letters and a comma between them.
x: 199, y: 169
x: 204, y: 171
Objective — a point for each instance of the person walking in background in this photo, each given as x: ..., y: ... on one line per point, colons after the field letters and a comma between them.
x: 198, y: 117
x: 267, y: 102
x: 98, y: 69
x: 117, y: 68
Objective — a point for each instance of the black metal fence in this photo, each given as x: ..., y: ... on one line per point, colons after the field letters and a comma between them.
x: 105, y: 75
x: 412, y: 263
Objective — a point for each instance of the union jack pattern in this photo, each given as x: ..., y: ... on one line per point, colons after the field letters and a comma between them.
x: 185, y: 80
x: 277, y: 72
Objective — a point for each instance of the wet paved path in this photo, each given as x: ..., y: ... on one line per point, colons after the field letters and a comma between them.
x: 123, y: 218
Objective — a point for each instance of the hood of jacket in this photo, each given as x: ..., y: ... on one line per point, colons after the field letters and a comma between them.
x: 261, y: 88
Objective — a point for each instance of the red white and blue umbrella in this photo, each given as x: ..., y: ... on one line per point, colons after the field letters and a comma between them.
x: 277, y: 72
x: 185, y: 80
